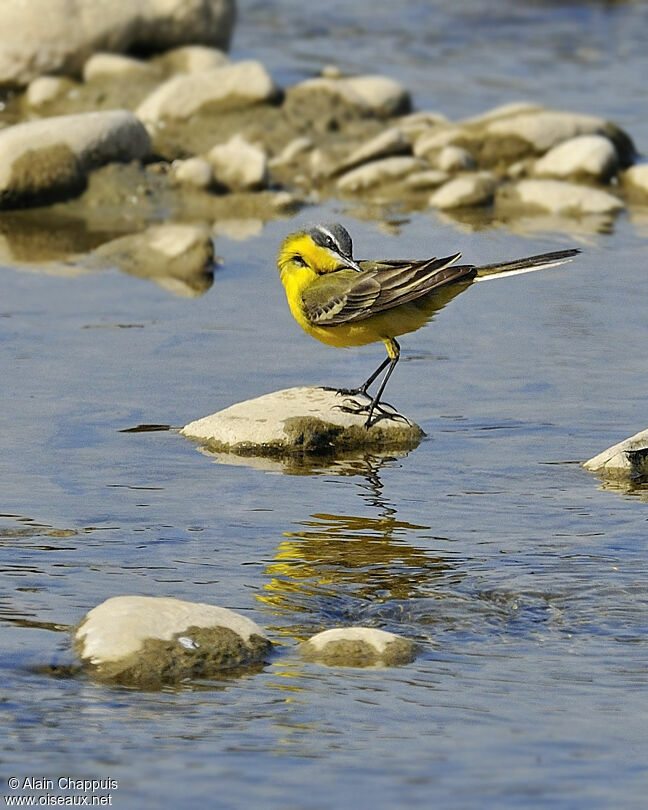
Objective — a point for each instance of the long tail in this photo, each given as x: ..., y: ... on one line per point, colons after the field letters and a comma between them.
x: 528, y: 265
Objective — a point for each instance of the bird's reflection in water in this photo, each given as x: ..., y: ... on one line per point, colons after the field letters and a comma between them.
x: 331, y: 568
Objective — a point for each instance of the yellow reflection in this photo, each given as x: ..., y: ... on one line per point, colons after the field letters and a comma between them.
x: 329, y: 561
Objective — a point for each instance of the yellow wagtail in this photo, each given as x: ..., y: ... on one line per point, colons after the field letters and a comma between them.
x: 343, y: 302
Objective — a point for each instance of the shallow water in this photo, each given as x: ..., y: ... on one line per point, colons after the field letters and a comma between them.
x: 520, y: 574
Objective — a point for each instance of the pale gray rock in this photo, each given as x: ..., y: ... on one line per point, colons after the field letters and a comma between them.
x: 542, y: 129
x: 557, y: 197
x: 303, y: 420
x: 239, y: 165
x: 416, y: 123
x: 178, y: 257
x: 391, y: 141
x: 147, y: 641
x: 193, y: 59
x: 453, y: 159
x: 502, y: 111
x: 236, y: 84
x: 45, y: 89
x: 429, y: 178
x: 378, y: 172
x: 627, y: 459
x: 586, y: 157
x: 431, y: 142
x: 635, y: 182
x: 50, y: 158
x: 358, y: 647
x: 194, y: 171
x: 476, y: 188
x: 298, y: 146
x: 115, y: 66
x: 58, y: 36
x: 371, y: 95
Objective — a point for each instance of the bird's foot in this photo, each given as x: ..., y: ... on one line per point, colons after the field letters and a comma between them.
x: 347, y: 392
x: 375, y: 412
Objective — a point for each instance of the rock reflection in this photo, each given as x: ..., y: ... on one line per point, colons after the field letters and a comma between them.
x: 178, y: 257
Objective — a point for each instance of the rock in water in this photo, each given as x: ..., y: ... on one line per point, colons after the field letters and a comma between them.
x: 358, y: 647
x: 627, y: 459
x: 147, y: 641
x: 50, y: 158
x: 301, y: 420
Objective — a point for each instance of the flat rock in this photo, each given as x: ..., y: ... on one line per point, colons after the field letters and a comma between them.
x: 177, y: 256
x: 476, y: 188
x: 543, y: 129
x: 391, y: 141
x: 358, y: 647
x: 429, y: 178
x: 431, y: 142
x: 379, y: 96
x: 57, y: 36
x: 300, y: 420
x: 557, y: 197
x: 237, y: 84
x: 45, y: 89
x: 194, y: 171
x: 50, y: 158
x: 377, y: 172
x: 453, y: 159
x: 635, y: 182
x: 586, y: 157
x: 627, y: 459
x: 239, y: 165
x: 147, y: 641
x: 193, y: 59
x: 114, y: 66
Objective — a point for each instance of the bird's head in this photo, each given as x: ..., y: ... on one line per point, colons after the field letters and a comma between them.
x: 318, y: 250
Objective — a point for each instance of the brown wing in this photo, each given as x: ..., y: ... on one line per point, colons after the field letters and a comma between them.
x: 346, y: 296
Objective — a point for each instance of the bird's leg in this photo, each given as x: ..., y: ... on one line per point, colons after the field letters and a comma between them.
x: 393, y: 352
x: 349, y: 392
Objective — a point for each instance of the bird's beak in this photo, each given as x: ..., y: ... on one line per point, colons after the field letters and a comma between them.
x: 350, y: 264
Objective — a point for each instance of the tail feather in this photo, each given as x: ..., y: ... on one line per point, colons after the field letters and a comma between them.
x: 527, y: 265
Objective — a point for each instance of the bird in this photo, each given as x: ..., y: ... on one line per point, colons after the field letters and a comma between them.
x: 343, y: 302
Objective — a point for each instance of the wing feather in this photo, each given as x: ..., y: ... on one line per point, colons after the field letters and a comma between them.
x: 346, y: 296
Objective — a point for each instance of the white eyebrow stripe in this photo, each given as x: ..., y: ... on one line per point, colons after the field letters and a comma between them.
x: 325, y: 230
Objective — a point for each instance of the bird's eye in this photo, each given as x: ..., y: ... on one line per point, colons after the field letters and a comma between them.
x: 298, y: 260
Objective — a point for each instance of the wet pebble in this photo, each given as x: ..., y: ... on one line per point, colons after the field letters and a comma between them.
x: 358, y: 647
x: 475, y: 188
x: 194, y: 171
x: 378, y: 172
x: 635, y: 182
x: 586, y: 157
x: 239, y: 165
x: 115, y: 66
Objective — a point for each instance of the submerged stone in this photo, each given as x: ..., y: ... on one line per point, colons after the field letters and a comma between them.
x: 627, y: 459
x: 147, y: 641
x: 358, y: 647
x: 301, y: 420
